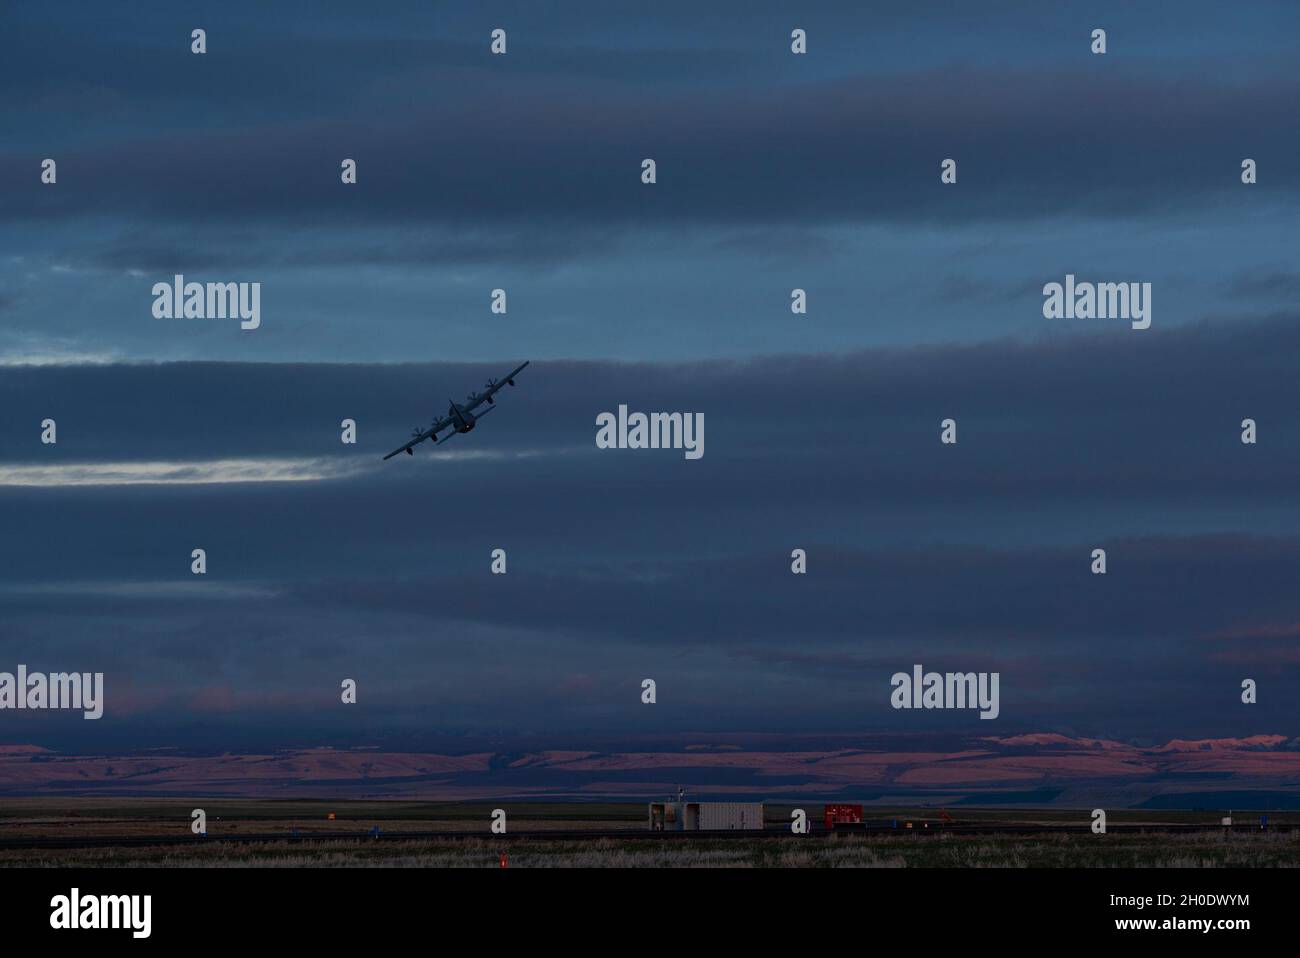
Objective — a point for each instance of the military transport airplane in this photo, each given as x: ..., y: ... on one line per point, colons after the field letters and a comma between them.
x: 460, y: 416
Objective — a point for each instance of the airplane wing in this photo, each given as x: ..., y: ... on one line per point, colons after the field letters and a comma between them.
x: 493, y: 386
x: 415, y: 441
x: 431, y: 432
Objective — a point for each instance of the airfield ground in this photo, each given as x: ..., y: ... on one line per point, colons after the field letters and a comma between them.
x: 126, y: 832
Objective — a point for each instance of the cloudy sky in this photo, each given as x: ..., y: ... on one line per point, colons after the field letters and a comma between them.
x: 522, y: 172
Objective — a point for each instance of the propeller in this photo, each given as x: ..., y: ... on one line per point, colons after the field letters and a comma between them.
x: 416, y: 431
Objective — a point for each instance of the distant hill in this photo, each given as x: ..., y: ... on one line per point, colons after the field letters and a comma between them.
x: 1032, y: 769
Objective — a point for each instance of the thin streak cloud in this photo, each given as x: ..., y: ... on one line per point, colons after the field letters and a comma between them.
x: 227, y: 471
x: 214, y: 471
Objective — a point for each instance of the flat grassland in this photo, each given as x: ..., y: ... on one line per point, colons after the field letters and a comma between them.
x: 345, y: 841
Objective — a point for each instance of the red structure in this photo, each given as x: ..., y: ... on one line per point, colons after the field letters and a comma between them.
x: 842, y: 815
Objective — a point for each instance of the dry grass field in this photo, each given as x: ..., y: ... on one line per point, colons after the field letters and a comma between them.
x: 76, y: 817
x: 1248, y: 850
x: 139, y: 818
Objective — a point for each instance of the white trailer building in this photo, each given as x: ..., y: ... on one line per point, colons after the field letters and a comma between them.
x: 683, y: 816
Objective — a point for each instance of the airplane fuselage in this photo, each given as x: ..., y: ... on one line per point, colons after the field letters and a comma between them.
x: 462, y: 418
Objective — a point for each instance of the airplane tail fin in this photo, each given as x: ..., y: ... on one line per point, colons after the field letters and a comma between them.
x: 455, y: 411
x: 455, y: 433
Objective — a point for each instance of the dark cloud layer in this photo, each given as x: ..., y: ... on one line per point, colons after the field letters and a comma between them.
x: 632, y: 564
x: 560, y: 154
x: 554, y: 132
x: 522, y: 172
x: 1112, y: 405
